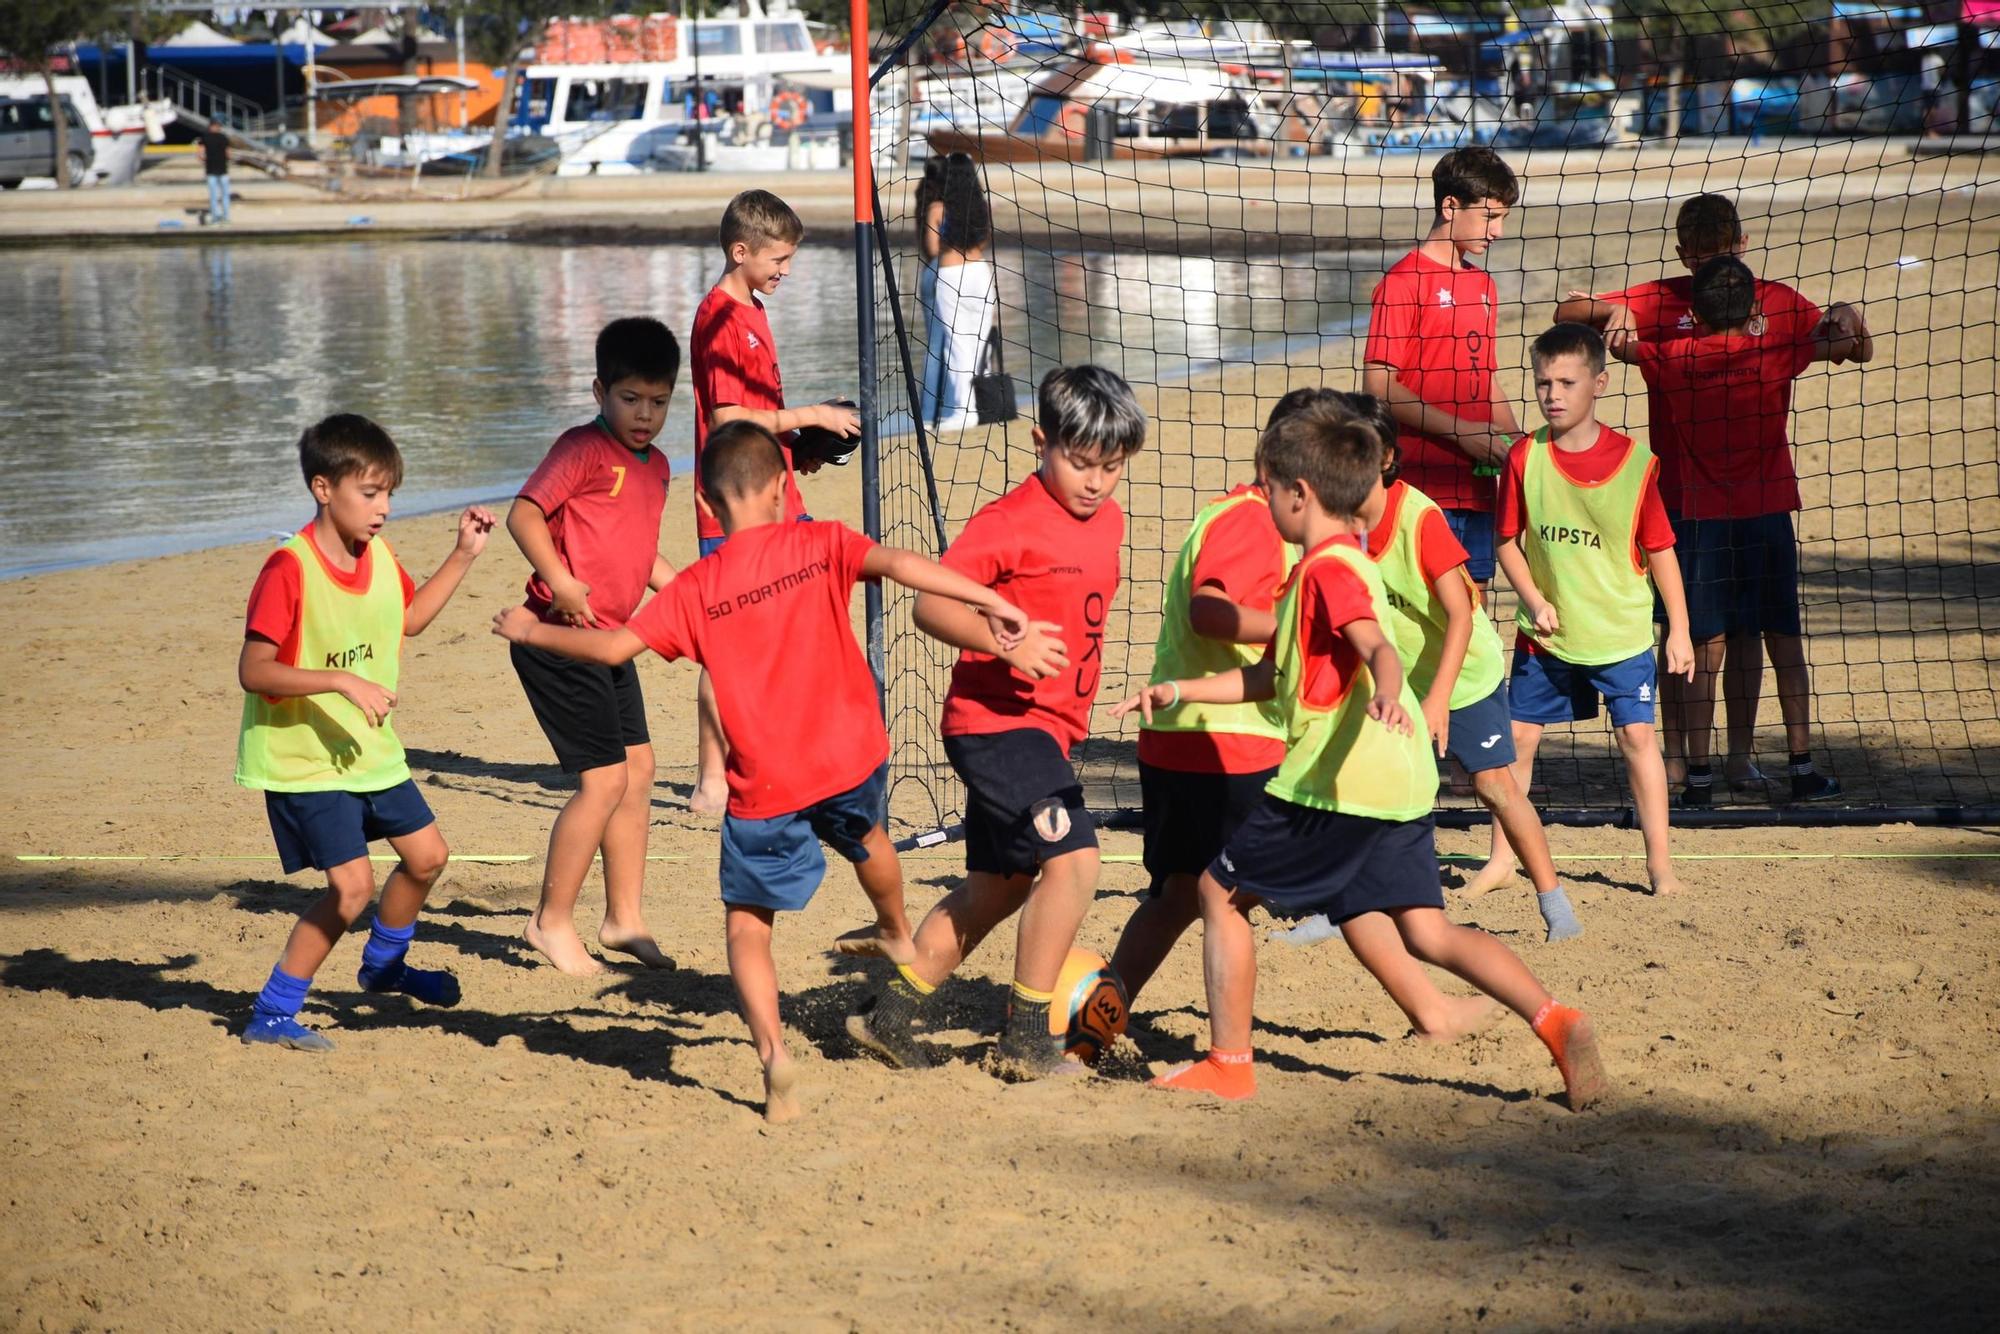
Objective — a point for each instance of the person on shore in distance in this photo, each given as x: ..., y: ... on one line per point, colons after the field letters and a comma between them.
x: 215, y: 169
x: 322, y: 644
x: 809, y: 759
x: 1657, y: 311
x: 1053, y: 544
x: 1431, y: 351
x: 1581, y: 530
x: 588, y: 520
x: 929, y: 213
x: 736, y: 378
x: 1345, y: 826
x: 966, y: 296
x: 1728, y: 384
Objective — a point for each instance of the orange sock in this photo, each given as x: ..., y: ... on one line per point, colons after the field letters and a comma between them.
x: 1568, y: 1035
x: 1226, y: 1074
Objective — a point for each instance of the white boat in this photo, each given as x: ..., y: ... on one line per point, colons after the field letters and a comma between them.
x: 762, y: 83
x: 117, y: 133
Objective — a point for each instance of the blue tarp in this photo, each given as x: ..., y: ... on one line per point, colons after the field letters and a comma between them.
x: 192, y: 58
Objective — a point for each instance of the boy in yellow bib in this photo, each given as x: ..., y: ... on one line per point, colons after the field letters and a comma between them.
x: 321, y: 647
x: 1345, y: 825
x: 1581, y: 528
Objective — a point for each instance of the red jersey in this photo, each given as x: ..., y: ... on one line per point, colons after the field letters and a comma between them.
x: 602, y: 502
x: 1439, y: 551
x: 1663, y: 310
x: 1436, y: 325
x: 1332, y: 596
x: 1243, y: 558
x: 1653, y: 531
x: 735, y: 363
x: 1055, y: 567
x: 767, y: 613
x: 1729, y: 405
x: 275, y: 598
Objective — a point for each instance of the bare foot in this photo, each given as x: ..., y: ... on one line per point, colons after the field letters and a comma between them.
x: 561, y: 947
x: 877, y: 942
x: 781, y: 1102
x: 639, y: 944
x: 1496, y: 873
x: 710, y: 797
x: 1464, y: 1016
x: 1665, y: 882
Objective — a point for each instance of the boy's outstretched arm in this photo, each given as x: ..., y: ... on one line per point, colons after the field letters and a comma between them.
x: 1843, y: 335
x: 1385, y: 706
x: 429, y: 600
x: 1454, y: 593
x: 945, y: 616
x: 518, y: 625
x: 1213, y: 616
x: 569, y: 596
x: 1665, y: 568
x: 1479, y: 441
x: 1613, y: 318
x: 259, y: 672
x: 1238, y: 685
x: 1514, y: 562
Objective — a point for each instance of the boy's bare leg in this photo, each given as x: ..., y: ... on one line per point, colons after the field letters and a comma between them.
x: 881, y: 877
x: 421, y: 859
x: 1229, y: 974
x: 1648, y: 777
x: 1435, y: 1016
x: 958, y: 922
x: 1500, y: 864
x: 573, y: 842
x: 1055, y: 908
x: 349, y: 888
x: 711, y: 754
x: 1698, y: 701
x: 1742, y: 685
x: 1788, y: 662
x: 756, y: 978
x: 1152, y: 931
x: 624, y: 845
x: 1514, y: 816
x: 1673, y: 727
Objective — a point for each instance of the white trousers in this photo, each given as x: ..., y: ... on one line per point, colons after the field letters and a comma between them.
x: 962, y: 314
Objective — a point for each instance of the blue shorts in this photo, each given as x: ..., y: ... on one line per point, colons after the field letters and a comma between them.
x: 777, y: 863
x: 328, y: 829
x: 1482, y: 733
x: 710, y: 545
x: 1300, y: 861
x: 1741, y: 575
x: 1474, y: 531
x: 1545, y: 689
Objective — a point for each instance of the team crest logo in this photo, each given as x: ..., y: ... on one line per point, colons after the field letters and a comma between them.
x: 753, y: 338
x: 1444, y: 296
x: 1646, y: 694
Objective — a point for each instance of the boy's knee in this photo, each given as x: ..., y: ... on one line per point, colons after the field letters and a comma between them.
x: 1494, y: 788
x: 607, y: 782
x: 351, y: 892
x: 1635, y: 738
x: 426, y: 866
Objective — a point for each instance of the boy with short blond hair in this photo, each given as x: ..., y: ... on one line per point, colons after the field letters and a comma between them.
x: 810, y: 759
x: 735, y: 371
x: 322, y: 645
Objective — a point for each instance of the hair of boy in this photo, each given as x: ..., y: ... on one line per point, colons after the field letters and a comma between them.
x: 637, y: 348
x: 1473, y: 175
x: 1569, y: 340
x: 738, y: 459
x: 1336, y: 453
x: 1724, y: 294
x: 1090, y: 410
x: 759, y: 218
x: 1297, y: 401
x: 348, y: 443
x: 1708, y: 225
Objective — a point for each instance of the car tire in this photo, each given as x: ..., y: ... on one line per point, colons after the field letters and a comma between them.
x: 10, y: 185
x: 79, y: 171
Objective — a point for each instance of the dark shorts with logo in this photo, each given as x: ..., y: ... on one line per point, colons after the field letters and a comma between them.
x: 589, y: 712
x: 1023, y: 804
x: 1482, y: 733
x: 1190, y: 816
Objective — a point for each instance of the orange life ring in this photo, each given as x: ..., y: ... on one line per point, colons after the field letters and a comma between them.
x: 789, y: 110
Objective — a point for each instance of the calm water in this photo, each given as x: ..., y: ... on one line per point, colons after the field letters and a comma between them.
x: 154, y: 394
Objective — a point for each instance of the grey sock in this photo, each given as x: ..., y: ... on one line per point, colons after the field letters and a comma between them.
x: 1311, y: 931
x: 1558, y: 916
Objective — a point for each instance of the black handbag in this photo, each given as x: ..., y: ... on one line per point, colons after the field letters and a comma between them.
x: 992, y: 388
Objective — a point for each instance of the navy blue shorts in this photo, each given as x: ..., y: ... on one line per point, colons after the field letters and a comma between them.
x: 1189, y: 816
x: 1474, y: 531
x: 328, y: 829
x: 1545, y: 689
x: 1482, y: 734
x: 1741, y: 575
x: 1023, y: 804
x: 777, y: 863
x: 710, y: 545
x: 1300, y: 861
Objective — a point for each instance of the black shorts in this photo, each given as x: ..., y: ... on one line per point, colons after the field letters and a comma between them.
x: 1023, y: 804
x: 1189, y: 817
x: 1302, y: 861
x: 589, y: 712
x: 1741, y: 575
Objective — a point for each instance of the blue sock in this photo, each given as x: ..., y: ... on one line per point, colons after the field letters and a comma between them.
x: 282, y: 995
x: 383, y: 969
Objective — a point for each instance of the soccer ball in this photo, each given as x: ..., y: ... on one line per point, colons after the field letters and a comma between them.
x: 1089, y: 1008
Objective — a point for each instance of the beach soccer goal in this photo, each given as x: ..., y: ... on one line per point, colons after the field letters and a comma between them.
x: 1208, y: 207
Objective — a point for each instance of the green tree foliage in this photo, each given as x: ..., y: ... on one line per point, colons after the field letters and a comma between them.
x: 496, y: 31
x: 30, y: 30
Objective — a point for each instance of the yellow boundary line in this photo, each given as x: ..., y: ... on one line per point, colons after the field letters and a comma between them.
x: 503, y: 858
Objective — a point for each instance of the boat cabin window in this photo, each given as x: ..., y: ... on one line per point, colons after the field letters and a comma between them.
x: 783, y: 39
x: 536, y: 102
x: 606, y: 99
x: 718, y: 39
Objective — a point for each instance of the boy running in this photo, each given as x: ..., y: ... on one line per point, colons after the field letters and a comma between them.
x: 1053, y: 544
x: 588, y: 520
x: 810, y: 759
x: 321, y: 648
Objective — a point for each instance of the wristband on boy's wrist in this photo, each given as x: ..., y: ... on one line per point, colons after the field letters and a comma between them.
x: 1177, y: 695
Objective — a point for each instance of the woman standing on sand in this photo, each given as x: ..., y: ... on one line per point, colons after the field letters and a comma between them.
x: 965, y: 296
x: 930, y: 219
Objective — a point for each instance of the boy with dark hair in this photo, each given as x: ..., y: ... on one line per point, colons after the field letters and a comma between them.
x: 1581, y: 529
x: 1345, y: 826
x: 1053, y: 544
x: 1430, y: 354
x: 736, y: 378
x: 1728, y: 390
x: 810, y: 759
x: 588, y: 520
x: 322, y: 644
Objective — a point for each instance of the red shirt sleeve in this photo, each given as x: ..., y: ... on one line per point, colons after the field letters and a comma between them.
x: 275, y: 598
x: 409, y: 585
x: 1439, y: 552
x: 1513, y: 515
x: 984, y: 551
x: 847, y: 549
x: 1654, y: 532
x: 721, y: 382
x: 1339, y: 597
x: 666, y: 624
x: 1392, y: 322
x: 552, y: 483
x: 1242, y: 554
